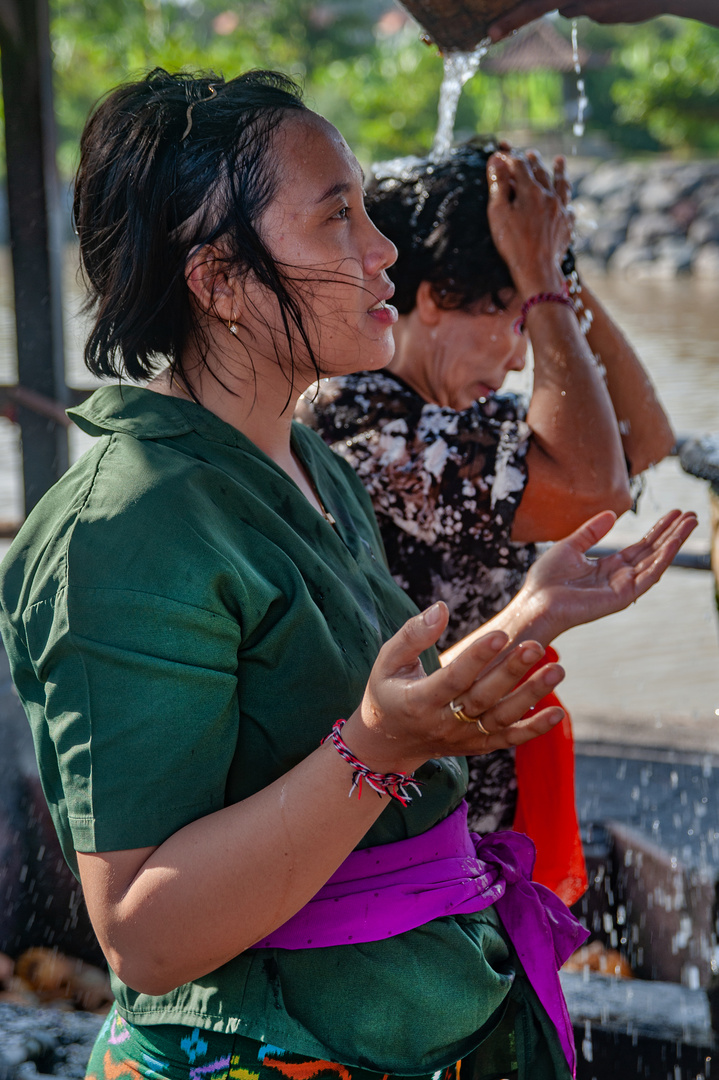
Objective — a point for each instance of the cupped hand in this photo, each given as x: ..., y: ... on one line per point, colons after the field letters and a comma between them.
x: 564, y: 588
x: 529, y: 218
x: 406, y: 718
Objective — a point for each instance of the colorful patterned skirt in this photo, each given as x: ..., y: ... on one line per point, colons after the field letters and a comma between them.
x: 125, y: 1051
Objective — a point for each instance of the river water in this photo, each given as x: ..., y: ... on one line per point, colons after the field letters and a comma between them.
x: 648, y: 675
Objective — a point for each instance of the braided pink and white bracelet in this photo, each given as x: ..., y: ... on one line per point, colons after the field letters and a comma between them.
x: 542, y: 298
x: 394, y: 784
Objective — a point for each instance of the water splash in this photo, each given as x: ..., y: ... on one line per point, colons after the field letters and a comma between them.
x: 582, y: 99
x: 459, y: 67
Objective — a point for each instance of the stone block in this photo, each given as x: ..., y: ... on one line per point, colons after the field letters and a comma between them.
x: 625, y: 1029
x: 659, y: 195
x: 629, y: 256
x: 648, y: 228
x: 706, y: 261
x: 704, y: 230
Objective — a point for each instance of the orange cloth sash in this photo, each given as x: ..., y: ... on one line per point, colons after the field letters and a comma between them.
x: 546, y: 806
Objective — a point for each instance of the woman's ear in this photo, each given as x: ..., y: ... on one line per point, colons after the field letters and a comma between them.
x: 426, y: 306
x: 207, y: 279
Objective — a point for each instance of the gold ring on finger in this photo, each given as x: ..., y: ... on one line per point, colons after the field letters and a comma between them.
x: 460, y: 714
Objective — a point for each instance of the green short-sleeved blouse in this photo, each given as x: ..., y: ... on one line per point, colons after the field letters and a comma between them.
x: 183, y: 628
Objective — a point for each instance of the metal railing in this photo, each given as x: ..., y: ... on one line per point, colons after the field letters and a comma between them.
x: 12, y: 399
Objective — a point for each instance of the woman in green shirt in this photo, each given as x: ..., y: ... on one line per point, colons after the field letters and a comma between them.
x: 193, y: 608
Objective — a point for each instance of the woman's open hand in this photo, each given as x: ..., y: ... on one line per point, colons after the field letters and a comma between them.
x: 564, y: 588
x: 406, y: 717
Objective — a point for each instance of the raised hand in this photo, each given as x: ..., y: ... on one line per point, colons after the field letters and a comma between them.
x: 565, y: 588
x: 529, y: 218
x: 406, y: 717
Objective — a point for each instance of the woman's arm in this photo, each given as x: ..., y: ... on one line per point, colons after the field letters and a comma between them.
x: 605, y: 11
x: 564, y: 588
x: 172, y: 913
x: 575, y: 459
x: 645, y: 431
x: 169, y: 914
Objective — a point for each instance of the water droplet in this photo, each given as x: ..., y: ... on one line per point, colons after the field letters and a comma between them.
x: 582, y: 100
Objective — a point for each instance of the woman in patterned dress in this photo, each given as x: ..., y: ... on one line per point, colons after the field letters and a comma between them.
x: 465, y: 480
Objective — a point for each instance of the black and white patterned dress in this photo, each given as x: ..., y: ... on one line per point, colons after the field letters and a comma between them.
x: 445, y: 487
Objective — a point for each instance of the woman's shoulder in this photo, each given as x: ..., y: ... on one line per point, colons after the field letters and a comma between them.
x: 142, y: 515
x: 345, y: 405
x: 492, y: 412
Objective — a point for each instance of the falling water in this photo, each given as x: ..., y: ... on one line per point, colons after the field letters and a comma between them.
x: 582, y: 100
x: 459, y: 67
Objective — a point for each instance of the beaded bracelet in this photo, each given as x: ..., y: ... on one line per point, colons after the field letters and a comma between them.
x: 394, y: 784
x: 542, y: 298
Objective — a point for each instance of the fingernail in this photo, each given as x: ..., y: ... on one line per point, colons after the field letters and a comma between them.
x: 432, y: 615
x: 530, y: 654
x: 553, y: 676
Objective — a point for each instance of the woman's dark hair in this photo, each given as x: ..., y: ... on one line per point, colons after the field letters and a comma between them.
x: 435, y: 212
x: 171, y: 163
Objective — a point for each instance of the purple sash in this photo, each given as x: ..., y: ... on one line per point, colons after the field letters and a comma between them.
x: 380, y: 892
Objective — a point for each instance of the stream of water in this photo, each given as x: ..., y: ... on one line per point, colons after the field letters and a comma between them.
x: 459, y: 67
x: 582, y: 99
x: 649, y: 674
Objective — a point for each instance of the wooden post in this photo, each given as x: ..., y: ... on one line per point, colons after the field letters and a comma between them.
x: 35, y: 234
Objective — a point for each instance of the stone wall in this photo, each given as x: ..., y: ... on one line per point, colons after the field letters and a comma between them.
x: 655, y: 218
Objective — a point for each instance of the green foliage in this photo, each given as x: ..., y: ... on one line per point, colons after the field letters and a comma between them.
x: 658, y: 84
x: 673, y: 84
x: 530, y: 101
x: 657, y: 87
x: 374, y: 79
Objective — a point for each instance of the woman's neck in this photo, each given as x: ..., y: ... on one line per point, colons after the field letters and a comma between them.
x: 412, y: 360
x: 255, y: 406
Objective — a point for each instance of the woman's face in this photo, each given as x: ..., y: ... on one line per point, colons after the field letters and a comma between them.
x: 472, y: 352
x: 318, y: 231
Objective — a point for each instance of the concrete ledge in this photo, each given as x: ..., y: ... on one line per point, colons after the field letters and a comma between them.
x: 629, y: 1028
x: 630, y: 729
x: 657, y: 1010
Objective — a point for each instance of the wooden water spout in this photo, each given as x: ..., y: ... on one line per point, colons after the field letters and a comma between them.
x: 457, y: 25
